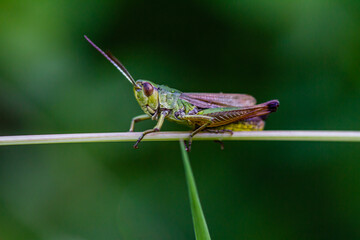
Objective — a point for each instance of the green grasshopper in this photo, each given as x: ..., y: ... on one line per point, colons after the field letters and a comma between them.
x: 212, y: 112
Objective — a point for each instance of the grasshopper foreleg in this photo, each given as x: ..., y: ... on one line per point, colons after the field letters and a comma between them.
x: 138, y: 119
x: 155, y: 129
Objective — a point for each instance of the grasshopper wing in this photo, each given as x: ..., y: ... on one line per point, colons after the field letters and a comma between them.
x: 215, y: 100
x: 223, y: 116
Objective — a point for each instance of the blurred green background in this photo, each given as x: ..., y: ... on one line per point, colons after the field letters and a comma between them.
x: 304, y: 53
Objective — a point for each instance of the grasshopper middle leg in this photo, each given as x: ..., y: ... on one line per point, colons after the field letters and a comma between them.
x: 204, y: 122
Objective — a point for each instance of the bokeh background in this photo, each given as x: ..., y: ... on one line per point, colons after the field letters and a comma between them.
x: 304, y: 53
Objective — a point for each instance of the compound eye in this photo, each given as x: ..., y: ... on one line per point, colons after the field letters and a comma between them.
x: 148, y: 89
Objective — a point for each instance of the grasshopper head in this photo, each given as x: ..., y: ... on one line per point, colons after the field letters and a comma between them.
x: 147, y: 95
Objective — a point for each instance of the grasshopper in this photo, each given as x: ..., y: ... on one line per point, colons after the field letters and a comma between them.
x: 212, y: 112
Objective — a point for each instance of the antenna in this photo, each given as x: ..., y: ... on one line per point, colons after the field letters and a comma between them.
x: 115, y: 62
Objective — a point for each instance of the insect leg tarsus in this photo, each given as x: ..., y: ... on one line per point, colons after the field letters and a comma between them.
x: 221, y: 144
x: 186, y: 145
x: 138, y: 119
x: 143, y: 135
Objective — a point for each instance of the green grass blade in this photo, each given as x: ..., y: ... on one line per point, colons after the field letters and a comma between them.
x: 200, y: 227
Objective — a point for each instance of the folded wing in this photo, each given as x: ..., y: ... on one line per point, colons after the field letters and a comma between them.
x: 215, y: 100
x: 225, y: 116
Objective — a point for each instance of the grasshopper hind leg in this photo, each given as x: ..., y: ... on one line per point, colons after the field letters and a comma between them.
x: 193, y: 134
x: 203, y: 122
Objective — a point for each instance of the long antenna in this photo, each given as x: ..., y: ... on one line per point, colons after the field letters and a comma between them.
x: 115, y: 62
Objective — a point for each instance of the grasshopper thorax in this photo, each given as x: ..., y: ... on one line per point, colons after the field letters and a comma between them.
x: 147, y: 95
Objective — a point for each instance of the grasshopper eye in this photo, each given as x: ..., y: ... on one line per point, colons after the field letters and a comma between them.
x: 148, y: 89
